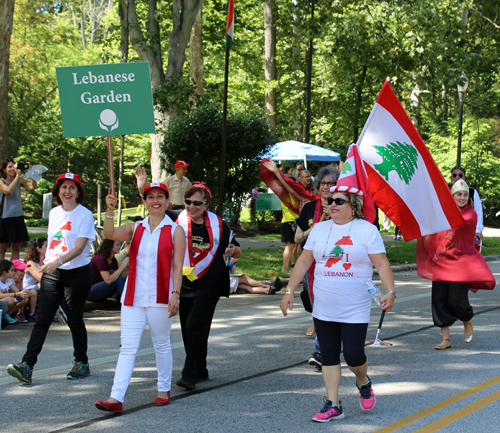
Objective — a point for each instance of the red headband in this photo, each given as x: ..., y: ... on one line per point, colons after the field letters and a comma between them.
x: 202, y: 186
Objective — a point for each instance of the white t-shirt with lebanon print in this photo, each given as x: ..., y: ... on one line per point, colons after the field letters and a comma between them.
x: 342, y: 264
x: 64, y: 229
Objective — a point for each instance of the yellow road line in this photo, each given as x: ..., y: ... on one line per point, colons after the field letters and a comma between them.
x: 459, y: 414
x: 438, y: 406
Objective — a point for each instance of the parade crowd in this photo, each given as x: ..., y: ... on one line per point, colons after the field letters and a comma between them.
x: 180, y: 259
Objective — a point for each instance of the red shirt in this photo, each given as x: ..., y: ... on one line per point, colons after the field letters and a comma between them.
x: 98, y: 264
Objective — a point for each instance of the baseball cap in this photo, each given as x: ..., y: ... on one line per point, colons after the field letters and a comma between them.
x: 70, y: 176
x: 18, y: 264
x: 155, y: 185
x: 180, y: 164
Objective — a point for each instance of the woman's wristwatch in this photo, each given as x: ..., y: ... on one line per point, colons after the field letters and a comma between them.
x: 393, y: 292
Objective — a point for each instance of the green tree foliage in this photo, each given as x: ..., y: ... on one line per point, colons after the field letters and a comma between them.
x: 480, y: 157
x: 196, y: 138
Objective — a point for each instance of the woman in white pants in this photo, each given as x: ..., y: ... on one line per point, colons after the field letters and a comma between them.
x: 151, y: 293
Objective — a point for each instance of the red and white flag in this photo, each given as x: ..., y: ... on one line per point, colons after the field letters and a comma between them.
x: 354, y: 177
x: 405, y: 182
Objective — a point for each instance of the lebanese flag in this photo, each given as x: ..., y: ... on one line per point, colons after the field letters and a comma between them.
x: 405, y: 182
x: 230, y: 23
x: 276, y: 185
x: 353, y: 176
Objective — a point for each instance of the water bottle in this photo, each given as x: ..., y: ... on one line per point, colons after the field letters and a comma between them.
x: 374, y: 291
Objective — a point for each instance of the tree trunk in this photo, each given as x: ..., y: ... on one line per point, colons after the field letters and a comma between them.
x: 359, y: 105
x: 6, y: 22
x: 196, y: 54
x: 270, y: 61
x: 185, y: 12
x: 298, y: 132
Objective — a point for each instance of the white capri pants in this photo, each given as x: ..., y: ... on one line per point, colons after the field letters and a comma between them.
x: 133, y: 321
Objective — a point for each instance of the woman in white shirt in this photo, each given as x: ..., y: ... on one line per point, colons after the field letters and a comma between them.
x: 345, y: 250
x: 151, y: 293
x: 66, y: 276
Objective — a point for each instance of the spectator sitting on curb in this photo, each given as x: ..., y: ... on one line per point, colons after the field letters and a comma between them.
x: 105, y: 272
x: 32, y: 296
x: 244, y: 282
x: 8, y: 289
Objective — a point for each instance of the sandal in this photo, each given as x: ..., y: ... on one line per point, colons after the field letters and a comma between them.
x: 442, y: 346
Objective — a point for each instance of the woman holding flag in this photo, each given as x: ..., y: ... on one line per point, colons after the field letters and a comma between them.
x: 345, y: 249
x: 151, y: 293
x: 455, y: 266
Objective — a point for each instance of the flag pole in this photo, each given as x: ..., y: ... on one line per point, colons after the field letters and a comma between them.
x: 223, y: 143
x: 229, y: 37
x: 110, y: 163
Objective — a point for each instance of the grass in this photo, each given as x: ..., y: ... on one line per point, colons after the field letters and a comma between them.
x: 261, y: 263
x: 270, y: 237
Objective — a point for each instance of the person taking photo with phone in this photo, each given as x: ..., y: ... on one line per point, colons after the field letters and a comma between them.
x: 12, y: 228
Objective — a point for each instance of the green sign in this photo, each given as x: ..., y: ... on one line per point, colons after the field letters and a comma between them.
x: 111, y: 99
x: 267, y: 202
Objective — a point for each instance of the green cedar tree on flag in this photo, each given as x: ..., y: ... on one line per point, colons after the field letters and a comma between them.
x: 230, y: 23
x: 405, y: 181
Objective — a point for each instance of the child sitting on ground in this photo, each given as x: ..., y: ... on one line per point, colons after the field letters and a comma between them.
x: 8, y: 290
x: 34, y: 258
x: 19, y: 267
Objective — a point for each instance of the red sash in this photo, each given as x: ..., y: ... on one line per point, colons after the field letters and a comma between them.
x: 318, y: 212
x: 163, y: 260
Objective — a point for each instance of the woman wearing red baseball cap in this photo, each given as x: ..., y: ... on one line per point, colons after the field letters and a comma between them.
x: 151, y: 292
x: 66, y: 276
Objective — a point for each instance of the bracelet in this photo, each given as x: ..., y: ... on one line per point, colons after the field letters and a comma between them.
x: 289, y: 291
x: 303, y: 237
x: 176, y: 291
x: 393, y: 292
x: 60, y: 261
x: 110, y: 216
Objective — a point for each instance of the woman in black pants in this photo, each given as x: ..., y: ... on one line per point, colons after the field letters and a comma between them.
x: 66, y: 276
x: 205, y: 278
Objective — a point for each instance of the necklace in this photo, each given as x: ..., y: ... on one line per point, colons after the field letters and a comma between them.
x: 197, y: 226
x: 338, y: 251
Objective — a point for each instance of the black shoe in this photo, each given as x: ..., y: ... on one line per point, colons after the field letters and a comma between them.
x: 21, y: 371
x: 204, y: 377
x: 315, y: 360
x: 79, y: 371
x: 186, y: 382
x: 278, y: 285
x: 272, y: 291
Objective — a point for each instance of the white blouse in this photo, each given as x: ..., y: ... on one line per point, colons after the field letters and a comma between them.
x: 146, y: 270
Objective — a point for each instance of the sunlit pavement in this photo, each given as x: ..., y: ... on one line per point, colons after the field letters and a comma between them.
x: 259, y: 377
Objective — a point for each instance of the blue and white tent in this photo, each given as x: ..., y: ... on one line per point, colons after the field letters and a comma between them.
x: 292, y: 150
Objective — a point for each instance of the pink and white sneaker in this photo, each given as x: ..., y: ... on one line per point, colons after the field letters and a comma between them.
x: 329, y: 411
x: 367, y: 397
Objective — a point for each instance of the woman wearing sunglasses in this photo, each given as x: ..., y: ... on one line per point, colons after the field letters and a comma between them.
x: 206, y: 278
x: 151, y: 292
x: 345, y: 249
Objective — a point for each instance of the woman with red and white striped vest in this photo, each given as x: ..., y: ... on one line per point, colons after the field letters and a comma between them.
x: 151, y: 293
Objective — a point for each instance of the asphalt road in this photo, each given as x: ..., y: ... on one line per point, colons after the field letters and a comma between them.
x: 259, y: 377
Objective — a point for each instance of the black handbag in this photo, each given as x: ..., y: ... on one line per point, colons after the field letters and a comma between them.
x: 306, y: 301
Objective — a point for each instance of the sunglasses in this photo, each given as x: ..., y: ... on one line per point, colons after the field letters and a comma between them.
x: 338, y: 201
x: 328, y: 183
x: 458, y: 174
x: 195, y: 202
